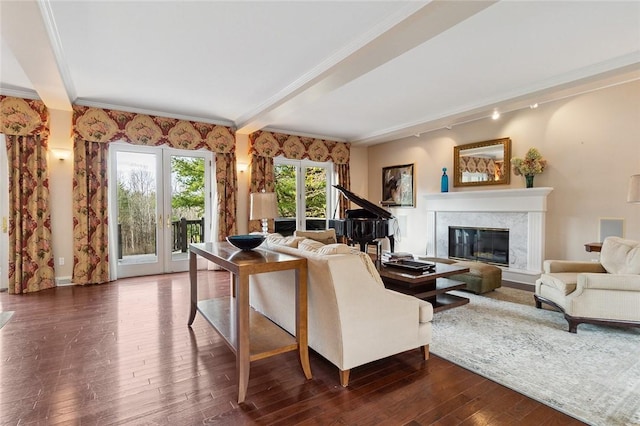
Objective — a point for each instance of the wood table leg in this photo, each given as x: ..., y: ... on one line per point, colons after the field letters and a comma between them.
x: 193, y: 278
x: 301, y: 320
x: 242, y: 334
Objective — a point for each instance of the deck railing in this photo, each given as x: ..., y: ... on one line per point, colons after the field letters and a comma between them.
x: 183, y: 232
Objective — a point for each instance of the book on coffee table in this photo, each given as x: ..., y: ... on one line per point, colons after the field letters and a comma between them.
x: 411, y: 265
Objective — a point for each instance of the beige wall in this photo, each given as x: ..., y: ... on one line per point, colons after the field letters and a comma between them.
x: 60, y: 188
x: 591, y: 142
x: 242, y: 156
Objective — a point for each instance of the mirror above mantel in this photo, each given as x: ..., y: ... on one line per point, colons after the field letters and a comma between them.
x: 482, y: 163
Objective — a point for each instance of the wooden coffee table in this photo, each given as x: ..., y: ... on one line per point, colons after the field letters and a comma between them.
x: 430, y: 286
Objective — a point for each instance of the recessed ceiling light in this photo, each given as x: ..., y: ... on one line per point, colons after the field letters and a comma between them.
x: 533, y: 106
x: 495, y: 115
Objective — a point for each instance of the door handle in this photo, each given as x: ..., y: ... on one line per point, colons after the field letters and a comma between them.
x: 168, y: 222
x: 160, y: 221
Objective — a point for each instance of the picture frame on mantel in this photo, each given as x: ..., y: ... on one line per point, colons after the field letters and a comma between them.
x: 398, y: 186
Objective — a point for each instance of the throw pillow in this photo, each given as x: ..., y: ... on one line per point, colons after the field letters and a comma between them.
x: 327, y: 236
x: 620, y: 256
x: 334, y: 249
x: 279, y: 240
x: 310, y: 245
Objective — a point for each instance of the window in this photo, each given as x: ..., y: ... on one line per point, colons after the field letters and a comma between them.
x: 304, y: 193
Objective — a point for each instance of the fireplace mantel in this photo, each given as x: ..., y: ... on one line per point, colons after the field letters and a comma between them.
x: 520, y: 210
x: 502, y: 200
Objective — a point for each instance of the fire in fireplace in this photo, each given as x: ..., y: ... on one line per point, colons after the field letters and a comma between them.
x: 488, y: 245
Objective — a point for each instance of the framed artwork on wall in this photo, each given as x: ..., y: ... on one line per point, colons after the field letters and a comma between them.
x: 397, y: 186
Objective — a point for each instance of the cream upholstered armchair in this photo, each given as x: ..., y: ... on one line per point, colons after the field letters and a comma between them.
x: 607, y: 292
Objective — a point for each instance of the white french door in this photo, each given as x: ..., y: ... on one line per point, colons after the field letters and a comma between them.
x: 160, y: 201
x: 304, y: 194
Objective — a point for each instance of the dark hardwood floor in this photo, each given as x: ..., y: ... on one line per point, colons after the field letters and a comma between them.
x: 122, y: 353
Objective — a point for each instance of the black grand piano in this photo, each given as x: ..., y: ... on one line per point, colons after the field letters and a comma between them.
x: 365, y: 225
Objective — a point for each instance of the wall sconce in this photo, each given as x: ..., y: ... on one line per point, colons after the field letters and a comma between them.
x: 242, y: 167
x: 633, y: 195
x: 61, y: 154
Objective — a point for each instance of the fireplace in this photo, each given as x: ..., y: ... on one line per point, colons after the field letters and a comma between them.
x: 521, y: 211
x: 489, y: 245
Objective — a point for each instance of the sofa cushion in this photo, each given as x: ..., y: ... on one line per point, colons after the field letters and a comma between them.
x: 310, y: 245
x: 620, y: 256
x: 564, y: 282
x: 334, y: 249
x: 279, y: 240
x: 326, y: 236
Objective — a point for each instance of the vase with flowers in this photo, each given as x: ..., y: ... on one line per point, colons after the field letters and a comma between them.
x: 532, y: 164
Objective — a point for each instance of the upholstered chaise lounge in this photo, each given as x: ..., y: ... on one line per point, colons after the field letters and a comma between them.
x: 607, y: 292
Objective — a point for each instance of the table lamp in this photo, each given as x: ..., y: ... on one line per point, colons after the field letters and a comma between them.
x: 264, y: 206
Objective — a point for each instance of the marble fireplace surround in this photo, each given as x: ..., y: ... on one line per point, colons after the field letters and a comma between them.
x: 521, y: 211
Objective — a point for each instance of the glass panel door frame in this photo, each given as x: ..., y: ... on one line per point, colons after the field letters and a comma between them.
x: 300, y: 166
x: 180, y: 263
x: 165, y: 262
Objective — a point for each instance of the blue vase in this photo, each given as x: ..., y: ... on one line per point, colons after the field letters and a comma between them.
x: 444, y: 181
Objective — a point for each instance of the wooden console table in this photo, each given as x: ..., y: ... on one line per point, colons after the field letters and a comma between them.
x: 250, y: 335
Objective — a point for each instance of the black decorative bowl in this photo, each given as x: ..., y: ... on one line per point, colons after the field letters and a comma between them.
x: 246, y: 242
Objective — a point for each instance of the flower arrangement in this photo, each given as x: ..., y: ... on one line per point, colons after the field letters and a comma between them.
x: 532, y: 164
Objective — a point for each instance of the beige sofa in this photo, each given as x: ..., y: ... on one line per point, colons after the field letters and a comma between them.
x: 352, y: 318
x: 607, y: 292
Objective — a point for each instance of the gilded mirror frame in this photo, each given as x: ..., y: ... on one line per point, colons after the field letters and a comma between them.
x: 502, y: 174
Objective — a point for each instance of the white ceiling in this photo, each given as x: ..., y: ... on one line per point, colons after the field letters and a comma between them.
x: 359, y: 71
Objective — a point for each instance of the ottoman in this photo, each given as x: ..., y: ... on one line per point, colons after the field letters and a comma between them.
x: 481, y: 277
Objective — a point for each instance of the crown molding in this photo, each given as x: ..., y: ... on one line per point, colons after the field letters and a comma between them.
x: 304, y: 135
x: 104, y: 105
x: 19, y: 93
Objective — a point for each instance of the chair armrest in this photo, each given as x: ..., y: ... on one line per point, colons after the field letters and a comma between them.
x: 557, y: 266
x: 623, y: 282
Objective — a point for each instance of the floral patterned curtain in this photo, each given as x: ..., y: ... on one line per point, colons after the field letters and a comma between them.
x: 93, y: 129
x: 264, y: 146
x: 25, y: 125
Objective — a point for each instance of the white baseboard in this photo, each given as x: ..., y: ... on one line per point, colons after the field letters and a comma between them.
x: 519, y: 277
x: 62, y: 281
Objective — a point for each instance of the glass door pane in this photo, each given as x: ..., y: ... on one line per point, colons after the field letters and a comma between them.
x: 315, y: 197
x: 286, y: 177
x: 187, y: 207
x: 137, y: 217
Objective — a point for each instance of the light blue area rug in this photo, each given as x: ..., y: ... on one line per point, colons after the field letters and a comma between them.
x: 593, y: 376
x: 5, y: 317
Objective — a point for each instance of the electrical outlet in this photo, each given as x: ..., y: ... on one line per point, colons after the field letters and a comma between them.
x: 61, y: 261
